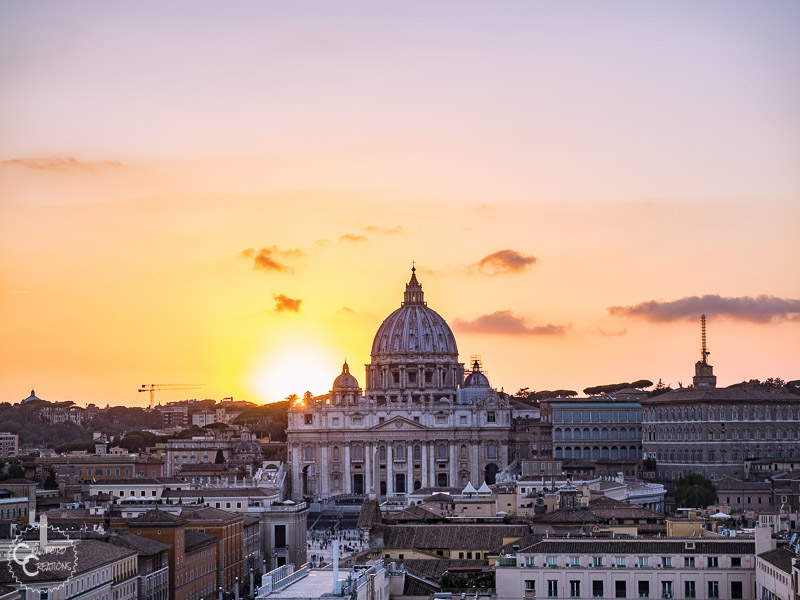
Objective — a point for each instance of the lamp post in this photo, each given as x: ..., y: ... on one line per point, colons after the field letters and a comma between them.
x: 252, y: 589
x: 236, y: 589
x: 220, y: 593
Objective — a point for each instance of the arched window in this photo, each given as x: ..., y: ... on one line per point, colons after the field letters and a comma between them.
x: 559, y: 453
x: 605, y: 433
x: 586, y: 433
x: 336, y: 453
x: 309, y: 453
x: 568, y: 434
x: 614, y: 433
x: 400, y: 452
x: 567, y: 452
x: 358, y: 452
x: 491, y: 450
x: 557, y: 434
x: 382, y: 453
x: 595, y: 433
x: 596, y: 452
x: 417, y: 453
x: 587, y: 452
x: 441, y: 451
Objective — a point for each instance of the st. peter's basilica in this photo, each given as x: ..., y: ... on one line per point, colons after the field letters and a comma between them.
x: 419, y: 423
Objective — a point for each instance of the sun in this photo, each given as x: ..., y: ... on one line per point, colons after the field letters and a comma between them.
x: 295, y: 368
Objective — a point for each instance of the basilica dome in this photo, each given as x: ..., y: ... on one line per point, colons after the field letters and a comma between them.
x: 414, y: 328
x: 345, y: 381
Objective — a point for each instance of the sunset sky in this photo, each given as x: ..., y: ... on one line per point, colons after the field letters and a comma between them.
x: 232, y: 193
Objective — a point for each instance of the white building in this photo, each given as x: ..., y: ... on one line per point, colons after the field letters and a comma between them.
x: 418, y: 424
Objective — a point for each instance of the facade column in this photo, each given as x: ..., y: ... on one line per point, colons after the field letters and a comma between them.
x: 389, y: 476
x: 476, y: 465
x: 323, y: 471
x: 425, y: 464
x: 432, y: 462
x: 410, y: 465
x: 369, y: 479
x: 504, y: 456
x: 297, y: 493
x: 347, y: 483
x: 452, y: 464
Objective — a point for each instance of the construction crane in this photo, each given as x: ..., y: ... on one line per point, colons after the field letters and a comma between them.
x: 167, y: 386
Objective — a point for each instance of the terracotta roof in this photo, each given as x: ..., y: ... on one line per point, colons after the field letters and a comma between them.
x: 780, y: 558
x: 142, y: 545
x: 601, y: 510
x: 463, y: 536
x: 433, y: 569
x: 157, y: 517
x: 208, y: 513
x: 416, y: 512
x: 731, y: 483
x: 699, y: 395
x: 196, y: 540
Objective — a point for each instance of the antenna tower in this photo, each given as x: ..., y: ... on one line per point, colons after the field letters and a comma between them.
x: 703, y: 352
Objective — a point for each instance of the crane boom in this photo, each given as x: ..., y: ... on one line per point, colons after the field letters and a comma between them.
x: 152, y: 387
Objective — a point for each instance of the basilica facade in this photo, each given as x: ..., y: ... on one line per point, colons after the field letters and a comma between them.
x: 419, y: 423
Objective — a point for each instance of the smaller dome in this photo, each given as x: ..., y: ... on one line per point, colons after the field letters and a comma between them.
x: 476, y: 378
x: 345, y: 381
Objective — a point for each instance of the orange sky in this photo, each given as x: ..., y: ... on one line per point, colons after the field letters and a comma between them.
x: 172, y: 176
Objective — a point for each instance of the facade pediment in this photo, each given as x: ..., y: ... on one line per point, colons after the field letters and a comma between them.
x: 399, y: 424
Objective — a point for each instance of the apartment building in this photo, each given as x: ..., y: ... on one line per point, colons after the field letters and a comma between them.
x: 689, y: 568
x: 9, y: 445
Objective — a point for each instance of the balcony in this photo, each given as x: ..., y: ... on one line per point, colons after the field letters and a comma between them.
x: 507, y: 561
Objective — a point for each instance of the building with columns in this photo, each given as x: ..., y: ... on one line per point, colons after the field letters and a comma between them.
x: 419, y: 423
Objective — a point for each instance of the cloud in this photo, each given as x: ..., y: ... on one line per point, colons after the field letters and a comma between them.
x: 386, y: 230
x: 349, y: 237
x: 761, y: 309
x: 61, y: 164
x: 504, y: 261
x: 264, y: 258
x: 284, y: 303
x: 506, y: 322
x: 610, y: 333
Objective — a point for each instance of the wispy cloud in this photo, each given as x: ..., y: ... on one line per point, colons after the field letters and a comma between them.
x: 284, y: 303
x: 760, y: 309
x: 61, y: 164
x: 265, y: 258
x: 386, y: 230
x: 610, y: 332
x: 505, y: 322
x: 349, y: 237
x: 504, y: 261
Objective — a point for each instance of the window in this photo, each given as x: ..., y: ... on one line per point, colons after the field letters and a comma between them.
x: 530, y: 561
x: 666, y: 589
x: 530, y: 586
x: 689, y: 590
x: 441, y: 451
x: 619, y: 561
x: 574, y: 588
x: 736, y: 590
x: 552, y: 561
x: 688, y: 562
x: 462, y: 419
x: 666, y: 562
x: 620, y: 589
x: 574, y: 561
x: 713, y: 589
x: 491, y: 451
x: 308, y: 419
x: 552, y: 588
x: 644, y: 589
x: 644, y: 561
x: 597, y: 589
x: 713, y: 562
x: 597, y: 561
x: 736, y: 561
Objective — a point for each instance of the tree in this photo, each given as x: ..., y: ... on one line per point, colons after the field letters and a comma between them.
x: 220, y: 458
x: 50, y: 482
x: 694, y: 491
x: 16, y: 471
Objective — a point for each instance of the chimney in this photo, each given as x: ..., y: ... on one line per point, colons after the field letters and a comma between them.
x: 764, y: 541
